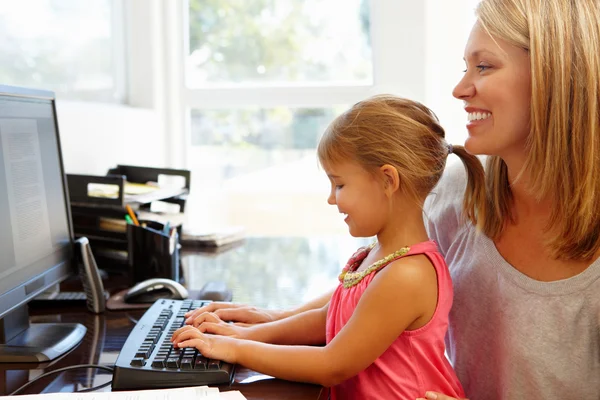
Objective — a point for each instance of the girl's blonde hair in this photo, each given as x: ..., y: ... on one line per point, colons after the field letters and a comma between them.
x: 563, y: 161
x: 407, y: 135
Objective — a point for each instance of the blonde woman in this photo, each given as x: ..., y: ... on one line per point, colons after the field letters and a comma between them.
x: 525, y: 323
x: 526, y: 317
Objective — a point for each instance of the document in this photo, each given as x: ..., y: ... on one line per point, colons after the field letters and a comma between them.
x: 25, y: 187
x: 232, y: 395
x: 188, y: 393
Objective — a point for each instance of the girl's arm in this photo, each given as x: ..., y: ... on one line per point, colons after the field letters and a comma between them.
x: 437, y: 396
x: 314, y: 304
x: 307, y: 328
x: 400, y: 296
x: 253, y: 315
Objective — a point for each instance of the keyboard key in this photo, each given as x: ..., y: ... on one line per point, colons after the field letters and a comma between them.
x: 214, y: 364
x: 173, y: 362
x: 200, y: 363
x: 187, y: 363
x: 138, y: 362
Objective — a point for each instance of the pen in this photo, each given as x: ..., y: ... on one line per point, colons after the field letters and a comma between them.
x: 132, y: 215
x: 128, y: 219
x: 167, y: 228
x: 173, y: 240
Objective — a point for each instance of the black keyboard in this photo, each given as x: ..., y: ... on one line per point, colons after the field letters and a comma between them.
x: 52, y: 298
x: 148, y: 360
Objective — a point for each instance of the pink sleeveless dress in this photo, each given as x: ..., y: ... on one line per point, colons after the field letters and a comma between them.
x: 415, y: 361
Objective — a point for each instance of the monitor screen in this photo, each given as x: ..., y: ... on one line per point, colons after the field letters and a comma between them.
x: 36, y: 240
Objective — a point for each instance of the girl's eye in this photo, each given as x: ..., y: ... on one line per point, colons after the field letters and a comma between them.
x: 338, y: 187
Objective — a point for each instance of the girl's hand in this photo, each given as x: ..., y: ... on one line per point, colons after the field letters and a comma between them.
x: 210, y: 346
x: 210, y: 323
x: 437, y: 396
x: 235, y: 313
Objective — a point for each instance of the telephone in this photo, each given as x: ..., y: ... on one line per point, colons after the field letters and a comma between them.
x: 90, y: 276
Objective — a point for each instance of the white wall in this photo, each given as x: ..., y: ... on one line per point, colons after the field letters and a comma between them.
x: 446, y: 30
x: 98, y: 136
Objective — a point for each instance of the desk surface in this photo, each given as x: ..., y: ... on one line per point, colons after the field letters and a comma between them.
x: 267, y: 272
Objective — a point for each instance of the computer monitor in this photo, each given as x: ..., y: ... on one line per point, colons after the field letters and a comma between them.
x: 36, y: 235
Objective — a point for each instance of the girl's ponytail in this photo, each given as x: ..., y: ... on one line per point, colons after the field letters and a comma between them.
x: 474, y: 202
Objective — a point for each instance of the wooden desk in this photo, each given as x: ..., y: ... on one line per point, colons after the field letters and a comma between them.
x: 267, y: 272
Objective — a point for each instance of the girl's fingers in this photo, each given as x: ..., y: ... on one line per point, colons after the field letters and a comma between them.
x: 211, y: 307
x: 216, y: 329
x: 205, y: 317
x: 197, y: 343
x: 183, y: 334
x: 181, y: 330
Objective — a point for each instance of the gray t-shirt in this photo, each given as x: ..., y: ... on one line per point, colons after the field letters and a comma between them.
x: 510, y: 336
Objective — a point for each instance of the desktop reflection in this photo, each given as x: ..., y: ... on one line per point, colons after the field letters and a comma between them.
x: 264, y: 271
x: 274, y: 272
x: 91, y: 350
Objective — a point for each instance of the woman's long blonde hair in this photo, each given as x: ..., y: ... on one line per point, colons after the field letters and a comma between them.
x: 563, y: 161
x: 405, y: 134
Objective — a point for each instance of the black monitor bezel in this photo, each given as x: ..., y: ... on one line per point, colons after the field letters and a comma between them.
x: 22, y: 293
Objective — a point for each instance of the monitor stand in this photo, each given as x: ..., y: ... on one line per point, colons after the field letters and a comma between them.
x: 22, y: 342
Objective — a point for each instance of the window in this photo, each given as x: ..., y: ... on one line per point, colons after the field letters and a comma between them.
x: 259, y: 164
x: 262, y: 80
x: 284, y: 41
x: 71, y: 47
x: 251, y: 86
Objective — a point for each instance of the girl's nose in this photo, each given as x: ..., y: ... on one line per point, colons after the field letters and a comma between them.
x: 331, y: 198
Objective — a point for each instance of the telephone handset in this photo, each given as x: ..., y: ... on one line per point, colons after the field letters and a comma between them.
x: 90, y: 276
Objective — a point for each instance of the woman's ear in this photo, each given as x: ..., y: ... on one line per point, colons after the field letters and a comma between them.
x: 391, y: 178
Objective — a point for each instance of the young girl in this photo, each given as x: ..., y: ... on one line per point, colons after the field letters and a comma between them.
x: 383, y: 157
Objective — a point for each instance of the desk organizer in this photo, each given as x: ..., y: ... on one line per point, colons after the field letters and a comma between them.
x: 101, y: 218
x: 151, y: 252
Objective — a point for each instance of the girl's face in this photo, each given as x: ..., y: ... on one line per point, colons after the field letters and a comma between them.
x: 496, y: 90
x: 360, y: 196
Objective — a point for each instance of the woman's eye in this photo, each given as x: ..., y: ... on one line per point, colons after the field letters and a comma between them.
x: 480, y: 67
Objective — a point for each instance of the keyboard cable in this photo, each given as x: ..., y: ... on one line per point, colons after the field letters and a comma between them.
x: 94, y: 388
x: 56, y: 371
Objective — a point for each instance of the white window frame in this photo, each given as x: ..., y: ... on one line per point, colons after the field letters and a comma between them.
x: 416, y: 48
x: 120, y: 60
x: 165, y: 22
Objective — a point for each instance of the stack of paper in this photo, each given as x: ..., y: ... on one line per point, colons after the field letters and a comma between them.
x: 188, y: 393
x: 135, y: 192
x: 212, y: 237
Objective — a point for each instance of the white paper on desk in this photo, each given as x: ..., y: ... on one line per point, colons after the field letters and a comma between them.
x: 232, y: 395
x: 198, y: 392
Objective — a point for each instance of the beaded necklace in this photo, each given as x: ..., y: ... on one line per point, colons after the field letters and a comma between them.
x: 349, y: 277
